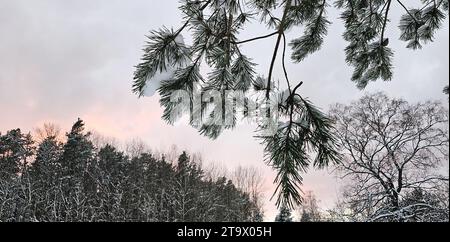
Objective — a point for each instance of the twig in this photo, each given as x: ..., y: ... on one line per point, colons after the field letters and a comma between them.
x: 385, y: 21
x: 277, y: 46
x: 256, y: 38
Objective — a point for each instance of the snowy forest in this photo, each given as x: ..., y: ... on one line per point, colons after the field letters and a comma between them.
x: 76, y: 181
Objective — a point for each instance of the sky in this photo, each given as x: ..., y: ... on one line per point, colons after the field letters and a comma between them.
x: 61, y: 60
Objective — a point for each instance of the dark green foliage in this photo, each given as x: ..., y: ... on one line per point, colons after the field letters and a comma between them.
x: 46, y: 164
x: 373, y: 65
x: 15, y: 149
x: 215, y: 27
x: 162, y: 50
x: 184, y: 79
x: 366, y: 23
x: 244, y: 73
x: 285, y: 215
x: 44, y: 176
x: 307, y: 130
x: 420, y: 25
x: 313, y: 13
x: 73, y: 182
x: 77, y: 152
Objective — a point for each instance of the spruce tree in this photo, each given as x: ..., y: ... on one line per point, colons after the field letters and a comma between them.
x: 184, y: 190
x: 111, y: 163
x: 45, y: 174
x: 110, y: 175
x: 79, y: 187
x: 77, y: 152
x: 46, y: 167
x: 134, y: 188
x: 165, y: 183
x: 284, y: 216
x: 15, y: 149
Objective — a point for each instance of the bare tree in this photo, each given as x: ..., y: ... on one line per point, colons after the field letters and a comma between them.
x: 48, y: 130
x: 172, y: 154
x: 99, y: 140
x: 214, y: 171
x: 250, y: 180
x: 392, y: 148
x: 309, y: 211
x: 136, y: 147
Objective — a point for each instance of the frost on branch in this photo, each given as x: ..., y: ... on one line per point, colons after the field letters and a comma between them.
x: 153, y: 83
x: 169, y: 66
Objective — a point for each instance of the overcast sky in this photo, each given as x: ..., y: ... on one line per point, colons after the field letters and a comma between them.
x: 60, y: 60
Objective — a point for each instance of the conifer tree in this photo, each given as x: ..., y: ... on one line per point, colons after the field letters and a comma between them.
x: 184, y: 189
x: 109, y: 173
x: 285, y: 215
x: 46, y: 166
x: 15, y: 149
x: 79, y: 188
x: 78, y: 151
x: 170, y: 65
x: 309, y: 211
x: 45, y: 174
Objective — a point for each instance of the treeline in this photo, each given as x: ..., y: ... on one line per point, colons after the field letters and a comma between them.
x: 73, y: 180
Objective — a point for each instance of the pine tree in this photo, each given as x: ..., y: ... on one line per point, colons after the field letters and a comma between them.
x: 184, y: 192
x: 134, y: 188
x: 258, y: 217
x: 208, y: 202
x: 45, y: 174
x: 46, y: 166
x: 109, y: 173
x: 284, y: 216
x: 79, y: 188
x: 165, y: 183
x: 78, y: 151
x: 171, y: 65
x: 15, y: 149
x: 8, y: 199
x: 309, y: 211
x: 424, y: 206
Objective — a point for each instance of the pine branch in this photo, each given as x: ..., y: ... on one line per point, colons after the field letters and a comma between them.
x: 277, y: 45
x: 284, y: 64
x: 313, y: 39
x: 386, y: 19
x: 187, y: 22
x: 257, y: 38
